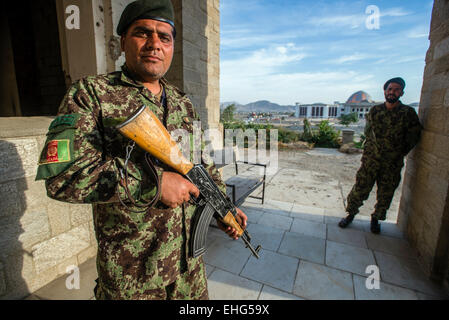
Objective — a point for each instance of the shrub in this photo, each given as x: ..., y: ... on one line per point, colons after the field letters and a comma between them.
x: 361, y: 143
x: 325, y: 136
x: 347, y: 119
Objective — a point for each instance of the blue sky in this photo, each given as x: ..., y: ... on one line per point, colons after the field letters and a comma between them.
x: 307, y: 51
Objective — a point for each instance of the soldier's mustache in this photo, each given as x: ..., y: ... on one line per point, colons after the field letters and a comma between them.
x: 151, y: 55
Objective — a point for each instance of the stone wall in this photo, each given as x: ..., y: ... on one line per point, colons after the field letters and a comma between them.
x: 39, y: 237
x: 424, y: 209
x: 196, y: 63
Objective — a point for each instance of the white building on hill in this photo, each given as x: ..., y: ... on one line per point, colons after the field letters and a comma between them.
x: 360, y: 102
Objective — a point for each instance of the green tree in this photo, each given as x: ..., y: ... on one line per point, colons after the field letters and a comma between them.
x: 307, y: 135
x: 347, y: 119
x: 228, y: 113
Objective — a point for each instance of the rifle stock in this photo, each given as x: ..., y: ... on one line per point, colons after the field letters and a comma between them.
x: 150, y: 134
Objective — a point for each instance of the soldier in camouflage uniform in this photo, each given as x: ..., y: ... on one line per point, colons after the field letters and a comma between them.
x: 141, y: 255
x: 392, y: 130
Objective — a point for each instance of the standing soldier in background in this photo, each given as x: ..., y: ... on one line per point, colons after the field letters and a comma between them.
x: 142, y: 216
x: 392, y: 130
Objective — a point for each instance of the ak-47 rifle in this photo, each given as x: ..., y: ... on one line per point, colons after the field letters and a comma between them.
x: 145, y: 129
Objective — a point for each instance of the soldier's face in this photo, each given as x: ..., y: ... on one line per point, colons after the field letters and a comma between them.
x: 148, y: 46
x: 393, y: 93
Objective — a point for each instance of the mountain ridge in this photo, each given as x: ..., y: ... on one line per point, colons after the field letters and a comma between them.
x: 258, y: 106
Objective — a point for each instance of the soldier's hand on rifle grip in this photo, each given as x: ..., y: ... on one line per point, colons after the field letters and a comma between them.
x: 231, y: 232
x: 175, y: 190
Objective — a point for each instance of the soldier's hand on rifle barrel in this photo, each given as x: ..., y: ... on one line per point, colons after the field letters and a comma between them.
x: 175, y: 190
x: 231, y: 232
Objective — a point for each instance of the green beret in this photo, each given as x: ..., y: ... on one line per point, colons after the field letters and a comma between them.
x: 161, y: 10
x: 397, y: 80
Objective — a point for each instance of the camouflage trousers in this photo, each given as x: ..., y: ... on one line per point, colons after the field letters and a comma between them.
x: 188, y: 286
x: 387, y: 176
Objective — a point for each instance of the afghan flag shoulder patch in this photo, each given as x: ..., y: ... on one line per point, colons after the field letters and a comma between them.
x: 56, y: 151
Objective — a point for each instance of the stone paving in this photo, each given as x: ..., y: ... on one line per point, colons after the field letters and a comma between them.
x: 304, y: 254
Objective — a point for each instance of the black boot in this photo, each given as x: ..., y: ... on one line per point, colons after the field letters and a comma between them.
x: 375, y: 226
x: 346, y: 221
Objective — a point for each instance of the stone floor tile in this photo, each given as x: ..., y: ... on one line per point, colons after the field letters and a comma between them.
x: 360, y: 223
x: 385, y: 291
x: 209, y: 269
x: 224, y: 285
x: 303, y: 247
x: 254, y: 214
x: 307, y: 213
x: 277, y: 207
x: 334, y: 213
x: 273, y: 269
x: 391, y: 245
x: 309, y: 228
x: 307, y: 209
x: 405, y: 272
x: 277, y: 212
x: 308, y: 216
x: 318, y: 282
x: 281, y: 205
x: 267, y: 237
x: 352, y: 237
x: 348, y: 258
x: 276, y: 221
x: 332, y: 219
x: 227, y: 254
x: 390, y: 229
x: 214, y: 232
x: 252, y: 203
x: 269, y: 293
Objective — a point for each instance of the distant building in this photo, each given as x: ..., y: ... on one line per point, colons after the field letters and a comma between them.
x: 360, y: 102
x: 316, y: 110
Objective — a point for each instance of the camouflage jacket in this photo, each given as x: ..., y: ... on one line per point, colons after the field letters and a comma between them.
x: 391, y: 134
x: 81, y: 163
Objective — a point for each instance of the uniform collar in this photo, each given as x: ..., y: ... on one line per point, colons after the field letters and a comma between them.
x: 397, y: 108
x: 127, y: 77
x: 172, y: 93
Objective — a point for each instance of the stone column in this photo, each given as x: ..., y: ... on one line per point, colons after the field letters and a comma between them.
x: 326, y: 112
x: 424, y: 208
x: 196, y: 63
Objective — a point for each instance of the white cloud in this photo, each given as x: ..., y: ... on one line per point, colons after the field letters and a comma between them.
x: 350, y: 58
x: 245, y: 38
x: 263, y: 61
x: 410, y: 59
x: 353, y: 21
x: 394, y: 12
x: 287, y: 89
x: 418, y: 32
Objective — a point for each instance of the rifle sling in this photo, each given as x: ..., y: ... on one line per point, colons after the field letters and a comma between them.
x: 145, y: 204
